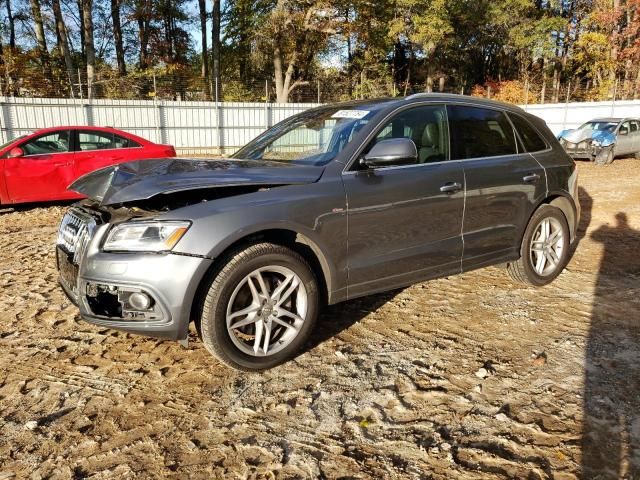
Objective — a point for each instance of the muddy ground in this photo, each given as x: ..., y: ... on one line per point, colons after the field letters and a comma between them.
x: 466, y: 377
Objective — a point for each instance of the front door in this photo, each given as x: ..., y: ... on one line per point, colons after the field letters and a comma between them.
x: 43, y: 172
x: 401, y: 227
x: 503, y: 183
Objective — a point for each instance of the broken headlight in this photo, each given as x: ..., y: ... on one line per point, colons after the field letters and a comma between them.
x: 145, y: 236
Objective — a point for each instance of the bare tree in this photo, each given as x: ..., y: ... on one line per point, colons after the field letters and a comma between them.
x: 41, y: 40
x: 203, y: 31
x: 143, y: 18
x: 117, y: 37
x: 89, y: 48
x: 82, y: 28
x: 63, y: 41
x: 215, y: 47
x: 12, y: 26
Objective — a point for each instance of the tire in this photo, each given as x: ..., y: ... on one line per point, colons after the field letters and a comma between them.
x: 237, y: 289
x: 604, y: 156
x: 526, y: 268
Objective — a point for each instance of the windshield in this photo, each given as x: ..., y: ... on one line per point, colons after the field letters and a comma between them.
x: 4, y: 145
x: 310, y: 138
x: 606, y: 126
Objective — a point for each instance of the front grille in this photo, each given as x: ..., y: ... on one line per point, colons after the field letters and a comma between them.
x: 582, y: 146
x: 74, y: 233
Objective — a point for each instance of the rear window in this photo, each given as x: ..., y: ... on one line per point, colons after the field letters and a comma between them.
x: 531, y: 140
x: 479, y: 132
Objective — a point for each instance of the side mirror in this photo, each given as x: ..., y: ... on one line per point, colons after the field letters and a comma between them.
x: 15, y: 152
x: 391, y: 152
x: 623, y: 131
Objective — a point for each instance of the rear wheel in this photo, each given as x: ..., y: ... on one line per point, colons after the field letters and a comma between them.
x: 545, y: 248
x: 260, y: 308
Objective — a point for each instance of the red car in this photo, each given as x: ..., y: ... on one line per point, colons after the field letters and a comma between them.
x: 40, y: 166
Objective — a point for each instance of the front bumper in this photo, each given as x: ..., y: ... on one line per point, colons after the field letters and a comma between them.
x: 170, y: 280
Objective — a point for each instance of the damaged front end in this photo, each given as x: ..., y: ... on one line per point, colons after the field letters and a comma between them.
x: 586, y: 144
x: 115, y: 250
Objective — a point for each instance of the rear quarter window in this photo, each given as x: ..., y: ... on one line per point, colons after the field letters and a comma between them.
x: 531, y: 139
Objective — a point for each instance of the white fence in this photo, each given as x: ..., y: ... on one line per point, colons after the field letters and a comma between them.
x: 560, y: 116
x: 211, y: 127
x: 191, y: 127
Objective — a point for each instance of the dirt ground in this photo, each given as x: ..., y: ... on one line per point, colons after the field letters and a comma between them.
x: 466, y: 377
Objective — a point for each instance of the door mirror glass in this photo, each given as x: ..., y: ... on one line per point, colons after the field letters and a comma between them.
x: 391, y: 152
x: 15, y: 152
x: 624, y: 131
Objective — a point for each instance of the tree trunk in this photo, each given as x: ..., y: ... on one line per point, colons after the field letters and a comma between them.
x: 117, y: 37
x: 89, y: 48
x: 204, y: 73
x: 12, y: 26
x: 143, y: 18
x: 215, y: 49
x: 63, y: 40
x: 281, y: 95
x: 41, y: 40
x: 82, y: 28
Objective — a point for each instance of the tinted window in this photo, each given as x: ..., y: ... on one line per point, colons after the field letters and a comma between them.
x: 426, y: 126
x: 57, y: 142
x: 530, y: 138
x: 479, y: 132
x: 94, y: 140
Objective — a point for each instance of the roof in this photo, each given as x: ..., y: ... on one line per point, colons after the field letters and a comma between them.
x: 436, y: 97
x: 607, y: 119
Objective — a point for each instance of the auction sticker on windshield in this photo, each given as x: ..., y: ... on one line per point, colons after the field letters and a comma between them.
x: 357, y: 114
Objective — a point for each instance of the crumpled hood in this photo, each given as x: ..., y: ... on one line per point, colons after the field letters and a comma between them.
x: 576, y: 136
x: 144, y: 179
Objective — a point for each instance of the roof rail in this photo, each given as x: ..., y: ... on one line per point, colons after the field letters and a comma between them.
x: 433, y: 94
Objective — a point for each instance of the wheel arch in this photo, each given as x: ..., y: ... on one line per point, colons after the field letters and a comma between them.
x: 287, y: 237
x: 565, y: 204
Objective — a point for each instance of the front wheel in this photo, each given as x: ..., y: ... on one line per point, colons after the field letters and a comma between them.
x: 544, y: 251
x: 260, y: 307
x: 604, y: 156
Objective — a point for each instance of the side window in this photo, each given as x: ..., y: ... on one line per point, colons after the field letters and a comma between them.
x: 57, y: 142
x: 479, y: 132
x: 634, y: 126
x: 624, y: 126
x: 532, y: 141
x: 129, y: 143
x: 426, y: 126
x: 95, y: 140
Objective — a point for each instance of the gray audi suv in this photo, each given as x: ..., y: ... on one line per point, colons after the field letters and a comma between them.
x: 331, y: 204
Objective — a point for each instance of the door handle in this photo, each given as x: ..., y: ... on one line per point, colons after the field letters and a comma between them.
x: 451, y: 187
x: 531, y: 178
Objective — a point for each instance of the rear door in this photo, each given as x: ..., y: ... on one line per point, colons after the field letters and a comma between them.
x: 402, y: 228
x: 43, y: 172
x: 624, y: 139
x: 634, y: 126
x: 503, y: 183
x: 96, y: 149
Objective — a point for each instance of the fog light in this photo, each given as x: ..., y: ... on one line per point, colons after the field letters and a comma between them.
x: 140, y: 301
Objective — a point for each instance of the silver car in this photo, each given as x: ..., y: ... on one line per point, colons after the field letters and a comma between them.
x: 603, y: 139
